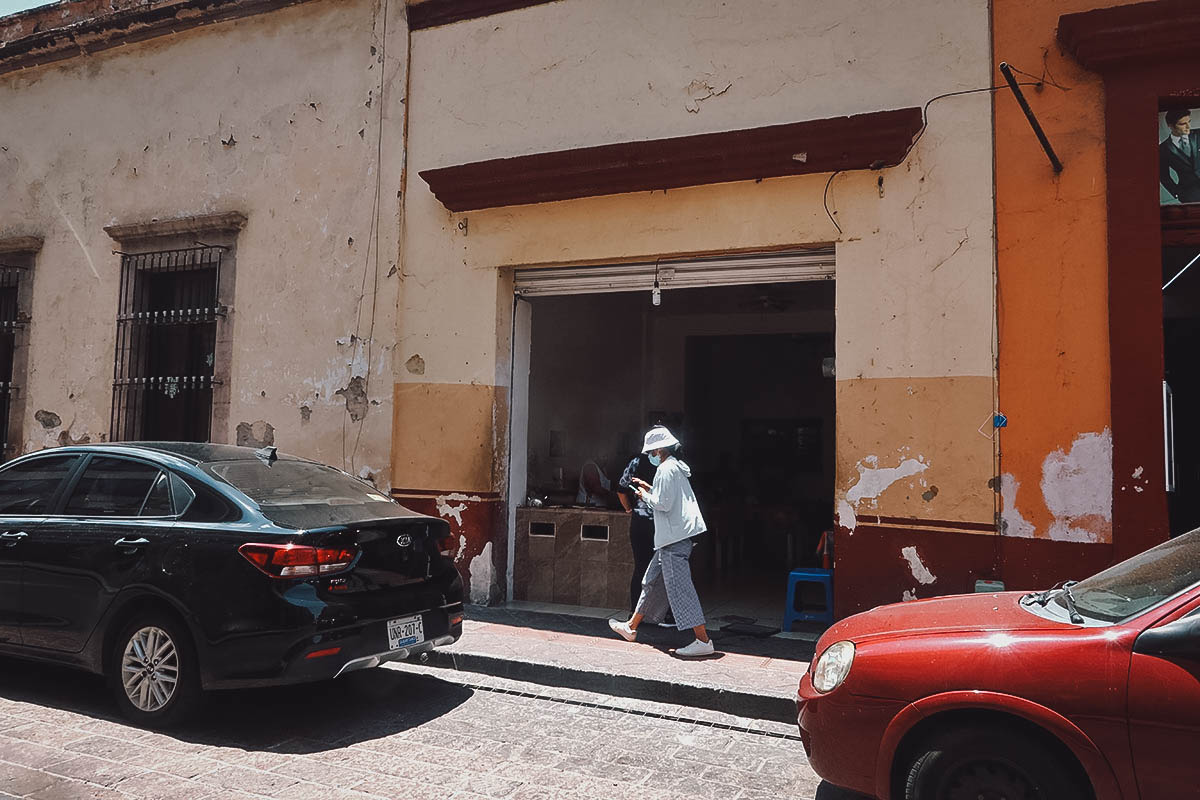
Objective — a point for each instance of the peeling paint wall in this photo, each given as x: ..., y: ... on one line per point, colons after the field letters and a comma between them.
x: 911, y: 448
x: 1077, y: 487
x: 277, y: 116
x: 873, y: 480
x: 914, y: 254
x: 919, y: 571
x: 482, y: 578
x: 1053, y: 320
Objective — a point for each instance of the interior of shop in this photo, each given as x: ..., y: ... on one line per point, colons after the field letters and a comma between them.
x: 742, y: 375
x: 1181, y: 342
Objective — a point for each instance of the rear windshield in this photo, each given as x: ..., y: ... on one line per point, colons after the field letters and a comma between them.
x: 1131, y: 587
x: 301, y: 494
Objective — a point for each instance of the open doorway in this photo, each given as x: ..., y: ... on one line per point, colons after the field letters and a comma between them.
x: 1181, y: 384
x: 742, y: 374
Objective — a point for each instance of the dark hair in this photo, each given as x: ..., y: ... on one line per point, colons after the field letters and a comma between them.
x: 1176, y: 114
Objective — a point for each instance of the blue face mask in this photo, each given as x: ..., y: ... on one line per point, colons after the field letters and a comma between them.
x: 655, y: 460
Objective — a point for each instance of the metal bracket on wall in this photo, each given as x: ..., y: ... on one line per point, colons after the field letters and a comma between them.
x: 1006, y: 71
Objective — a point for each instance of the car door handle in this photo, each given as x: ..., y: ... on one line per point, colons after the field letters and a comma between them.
x: 138, y: 542
x: 11, y: 539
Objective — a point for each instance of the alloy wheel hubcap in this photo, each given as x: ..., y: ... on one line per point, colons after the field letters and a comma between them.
x: 150, y: 669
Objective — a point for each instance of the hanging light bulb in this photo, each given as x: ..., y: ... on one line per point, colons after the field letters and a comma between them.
x: 656, y: 293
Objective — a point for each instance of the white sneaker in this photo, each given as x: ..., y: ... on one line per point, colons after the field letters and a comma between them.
x: 696, y: 649
x: 623, y: 630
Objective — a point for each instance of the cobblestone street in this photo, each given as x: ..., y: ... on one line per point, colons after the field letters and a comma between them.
x: 394, y: 733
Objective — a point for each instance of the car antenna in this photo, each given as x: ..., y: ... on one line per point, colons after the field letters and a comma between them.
x: 268, y: 455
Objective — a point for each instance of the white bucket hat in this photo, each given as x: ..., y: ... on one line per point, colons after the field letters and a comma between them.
x: 658, y: 438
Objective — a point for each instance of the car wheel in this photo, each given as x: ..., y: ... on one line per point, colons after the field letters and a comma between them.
x: 990, y: 764
x: 153, y: 671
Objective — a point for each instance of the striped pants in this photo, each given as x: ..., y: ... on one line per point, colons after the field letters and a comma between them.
x: 668, y: 584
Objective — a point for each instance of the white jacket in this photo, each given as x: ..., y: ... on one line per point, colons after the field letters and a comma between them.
x: 676, y: 513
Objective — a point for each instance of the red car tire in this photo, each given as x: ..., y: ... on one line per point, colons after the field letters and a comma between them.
x: 968, y: 763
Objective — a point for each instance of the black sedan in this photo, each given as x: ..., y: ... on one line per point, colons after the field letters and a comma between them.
x: 173, y: 568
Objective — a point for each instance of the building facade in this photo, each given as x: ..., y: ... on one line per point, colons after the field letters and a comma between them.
x: 190, y: 200
x: 1096, y: 310
x: 467, y: 249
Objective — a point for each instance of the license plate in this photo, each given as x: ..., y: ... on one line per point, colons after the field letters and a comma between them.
x: 404, y: 632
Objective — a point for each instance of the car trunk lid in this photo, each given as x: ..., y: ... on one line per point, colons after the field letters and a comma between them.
x: 392, y: 552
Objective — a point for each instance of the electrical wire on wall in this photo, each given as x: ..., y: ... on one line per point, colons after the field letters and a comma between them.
x: 996, y: 422
x: 925, y: 127
x: 372, y: 246
x: 825, y: 201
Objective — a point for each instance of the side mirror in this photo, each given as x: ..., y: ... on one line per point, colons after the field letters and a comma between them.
x: 1178, y: 638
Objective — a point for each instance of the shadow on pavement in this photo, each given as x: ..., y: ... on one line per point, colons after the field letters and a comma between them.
x: 305, y: 718
x: 827, y: 791
x: 662, y: 638
x: 671, y: 648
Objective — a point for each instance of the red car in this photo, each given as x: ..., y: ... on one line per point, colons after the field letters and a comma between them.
x: 1091, y: 690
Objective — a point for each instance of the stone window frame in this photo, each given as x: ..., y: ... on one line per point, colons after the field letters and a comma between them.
x: 20, y: 252
x: 219, y: 230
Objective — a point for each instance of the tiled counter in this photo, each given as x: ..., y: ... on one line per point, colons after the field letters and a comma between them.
x: 574, y: 556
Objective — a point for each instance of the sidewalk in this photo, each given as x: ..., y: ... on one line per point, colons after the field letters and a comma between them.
x: 750, y: 676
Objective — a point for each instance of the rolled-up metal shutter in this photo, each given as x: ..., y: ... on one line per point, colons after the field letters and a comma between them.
x: 743, y: 268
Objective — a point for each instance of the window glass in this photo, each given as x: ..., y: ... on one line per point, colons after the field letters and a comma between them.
x: 1145, y: 580
x: 113, y: 487
x: 158, y: 503
x: 181, y: 494
x: 302, y: 494
x: 208, y: 506
x: 29, y: 487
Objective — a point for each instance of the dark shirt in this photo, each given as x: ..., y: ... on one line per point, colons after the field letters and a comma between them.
x: 639, y: 467
x: 1186, y: 165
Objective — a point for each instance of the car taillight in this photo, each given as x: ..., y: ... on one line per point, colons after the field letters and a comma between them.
x: 328, y: 651
x: 446, y: 545
x: 297, y: 560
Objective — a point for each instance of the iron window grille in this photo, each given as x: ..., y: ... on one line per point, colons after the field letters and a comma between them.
x: 10, y: 321
x: 166, y: 345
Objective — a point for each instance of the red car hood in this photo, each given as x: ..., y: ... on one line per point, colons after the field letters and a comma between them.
x: 958, y: 613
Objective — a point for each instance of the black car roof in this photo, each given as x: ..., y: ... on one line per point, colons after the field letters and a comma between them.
x: 195, y: 452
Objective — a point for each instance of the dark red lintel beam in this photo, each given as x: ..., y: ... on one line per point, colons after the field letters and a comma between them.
x: 432, y: 13
x: 1162, y: 30
x: 863, y: 141
x: 113, y: 29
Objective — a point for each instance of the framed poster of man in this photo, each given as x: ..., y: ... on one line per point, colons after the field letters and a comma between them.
x: 1178, y: 156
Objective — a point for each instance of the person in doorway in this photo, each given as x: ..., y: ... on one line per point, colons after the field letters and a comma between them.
x: 594, y: 486
x: 641, y: 520
x: 1180, y: 153
x: 668, y: 580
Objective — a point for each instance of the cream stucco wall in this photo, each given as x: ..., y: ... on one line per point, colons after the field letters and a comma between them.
x: 914, y: 256
x: 276, y: 116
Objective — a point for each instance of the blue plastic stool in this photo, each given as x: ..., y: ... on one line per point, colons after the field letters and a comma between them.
x: 801, y: 576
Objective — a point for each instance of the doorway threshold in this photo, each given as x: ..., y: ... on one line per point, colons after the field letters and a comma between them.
x: 564, y: 609
x: 528, y: 611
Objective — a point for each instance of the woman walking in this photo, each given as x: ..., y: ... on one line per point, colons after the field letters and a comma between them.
x: 668, y: 580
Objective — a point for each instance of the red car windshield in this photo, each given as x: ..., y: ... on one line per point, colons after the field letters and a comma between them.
x: 1131, y: 587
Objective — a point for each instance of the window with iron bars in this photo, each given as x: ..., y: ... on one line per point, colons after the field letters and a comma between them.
x: 166, y: 345
x: 10, y: 322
